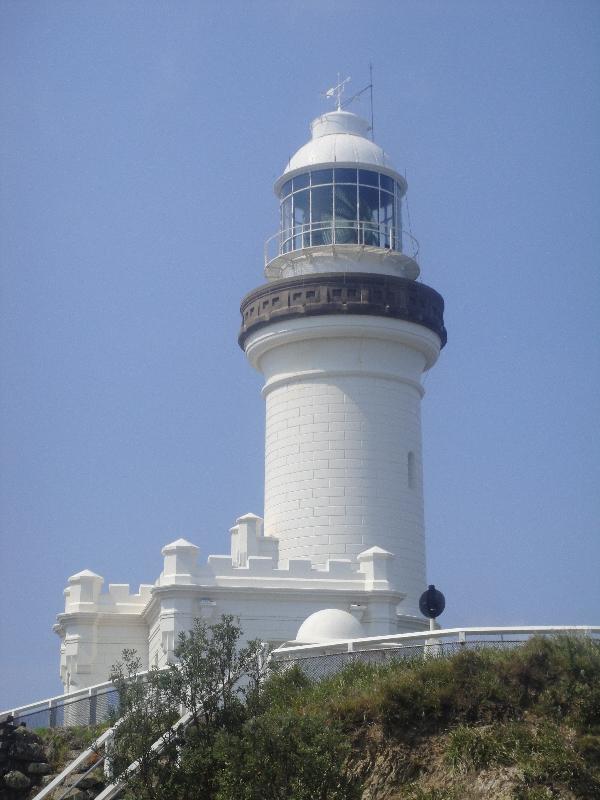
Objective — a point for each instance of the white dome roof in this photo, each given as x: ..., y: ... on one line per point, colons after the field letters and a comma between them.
x: 327, y: 625
x: 339, y: 137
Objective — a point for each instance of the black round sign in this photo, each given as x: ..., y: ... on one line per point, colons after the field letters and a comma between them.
x: 432, y: 602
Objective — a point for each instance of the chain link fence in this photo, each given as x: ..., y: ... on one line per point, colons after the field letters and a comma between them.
x: 326, y: 664
x: 91, y: 709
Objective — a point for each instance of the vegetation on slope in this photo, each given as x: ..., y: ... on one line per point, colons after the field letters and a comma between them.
x: 521, y: 724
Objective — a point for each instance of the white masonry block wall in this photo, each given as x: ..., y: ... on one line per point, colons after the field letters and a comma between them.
x: 343, y: 439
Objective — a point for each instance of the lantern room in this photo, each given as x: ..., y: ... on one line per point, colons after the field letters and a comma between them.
x: 340, y: 197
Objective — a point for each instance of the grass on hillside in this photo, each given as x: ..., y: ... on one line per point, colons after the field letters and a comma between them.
x: 533, y: 711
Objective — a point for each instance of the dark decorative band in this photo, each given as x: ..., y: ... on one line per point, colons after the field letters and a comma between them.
x: 343, y: 293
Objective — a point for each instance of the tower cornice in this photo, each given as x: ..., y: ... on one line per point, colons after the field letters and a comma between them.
x: 343, y: 293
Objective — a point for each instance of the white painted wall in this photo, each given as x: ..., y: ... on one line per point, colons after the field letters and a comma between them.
x: 343, y: 397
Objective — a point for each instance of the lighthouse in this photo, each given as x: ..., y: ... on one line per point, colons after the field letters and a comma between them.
x: 342, y: 332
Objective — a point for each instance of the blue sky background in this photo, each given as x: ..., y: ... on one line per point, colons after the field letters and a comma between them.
x: 139, y: 144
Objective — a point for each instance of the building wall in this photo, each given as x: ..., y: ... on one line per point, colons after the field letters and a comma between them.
x: 343, y: 440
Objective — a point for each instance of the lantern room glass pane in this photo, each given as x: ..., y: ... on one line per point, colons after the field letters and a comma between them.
x: 321, y: 176
x: 346, y: 229
x: 345, y: 175
x: 368, y: 207
x: 322, y: 214
x: 285, y: 189
x: 386, y: 218
x: 397, y: 243
x: 368, y: 178
x: 301, y: 219
x: 301, y: 181
x: 386, y: 183
x: 286, y: 225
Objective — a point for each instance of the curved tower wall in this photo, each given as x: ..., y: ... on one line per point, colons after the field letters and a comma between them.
x: 343, y: 440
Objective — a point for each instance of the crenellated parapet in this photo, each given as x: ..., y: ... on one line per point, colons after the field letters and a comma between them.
x: 255, y: 558
x: 277, y: 595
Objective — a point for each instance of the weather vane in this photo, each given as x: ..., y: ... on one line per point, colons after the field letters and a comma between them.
x: 337, y: 91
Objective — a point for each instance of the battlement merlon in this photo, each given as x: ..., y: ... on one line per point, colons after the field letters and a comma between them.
x: 83, y: 593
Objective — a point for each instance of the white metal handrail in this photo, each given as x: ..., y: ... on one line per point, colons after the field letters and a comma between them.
x: 70, y: 768
x: 59, y: 700
x: 312, y: 234
x: 423, y: 637
x: 117, y: 786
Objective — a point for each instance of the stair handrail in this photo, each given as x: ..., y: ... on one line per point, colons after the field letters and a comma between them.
x: 116, y: 787
x: 67, y: 697
x: 73, y: 765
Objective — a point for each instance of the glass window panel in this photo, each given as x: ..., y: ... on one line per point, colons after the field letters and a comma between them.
x: 301, y: 181
x: 368, y: 178
x: 286, y: 217
x: 286, y: 225
x: 368, y: 209
x: 346, y: 229
x: 321, y: 176
x: 345, y: 202
x: 345, y: 175
x: 301, y: 218
x: 397, y: 243
x: 301, y: 207
x: 387, y: 183
x: 386, y: 217
x: 322, y: 214
x: 285, y: 189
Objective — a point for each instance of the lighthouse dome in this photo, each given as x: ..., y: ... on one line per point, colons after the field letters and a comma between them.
x: 339, y: 137
x: 328, y: 625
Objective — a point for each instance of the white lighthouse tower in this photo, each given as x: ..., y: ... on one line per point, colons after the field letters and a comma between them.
x: 342, y: 332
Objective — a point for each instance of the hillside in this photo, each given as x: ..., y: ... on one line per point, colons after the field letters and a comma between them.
x: 521, y: 724
x: 495, y: 724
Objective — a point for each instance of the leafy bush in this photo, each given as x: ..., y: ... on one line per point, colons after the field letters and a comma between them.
x: 242, y: 742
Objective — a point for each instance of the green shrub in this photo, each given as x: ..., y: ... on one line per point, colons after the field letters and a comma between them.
x: 534, y: 708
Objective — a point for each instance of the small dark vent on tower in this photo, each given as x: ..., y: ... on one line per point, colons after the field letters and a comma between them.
x: 410, y: 466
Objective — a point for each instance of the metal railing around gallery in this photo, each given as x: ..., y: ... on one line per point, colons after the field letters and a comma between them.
x: 340, y: 232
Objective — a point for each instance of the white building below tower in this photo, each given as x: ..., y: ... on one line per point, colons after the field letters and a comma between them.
x: 342, y: 333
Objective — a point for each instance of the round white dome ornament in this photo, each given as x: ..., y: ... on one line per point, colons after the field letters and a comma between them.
x: 327, y: 625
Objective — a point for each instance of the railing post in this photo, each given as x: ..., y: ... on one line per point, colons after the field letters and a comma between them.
x: 462, y: 637
x: 93, y: 703
x: 52, y: 708
x: 108, y: 748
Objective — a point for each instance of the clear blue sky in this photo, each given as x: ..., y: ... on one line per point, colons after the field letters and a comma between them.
x: 140, y: 141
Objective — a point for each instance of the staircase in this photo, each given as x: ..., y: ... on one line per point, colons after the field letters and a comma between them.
x: 27, y: 772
